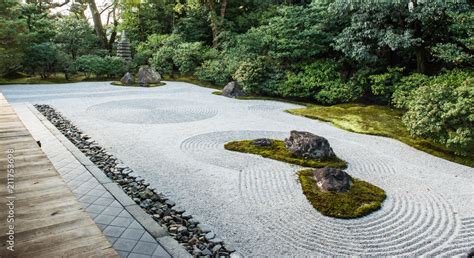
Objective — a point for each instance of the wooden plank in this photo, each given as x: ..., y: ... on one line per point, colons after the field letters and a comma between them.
x: 49, y: 221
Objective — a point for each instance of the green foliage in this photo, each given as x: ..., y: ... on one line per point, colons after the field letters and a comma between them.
x: 278, y: 151
x: 12, y: 34
x: 443, y: 110
x: 42, y: 58
x: 383, y: 84
x: 362, y: 198
x: 404, y: 88
x: 100, y: 66
x: 451, y: 53
x: 258, y: 76
x: 215, y: 71
x: 319, y: 81
x: 378, y: 120
x: 75, y: 36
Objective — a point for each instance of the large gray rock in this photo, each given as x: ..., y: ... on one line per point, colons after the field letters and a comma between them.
x: 127, y: 79
x: 147, y: 75
x: 232, y: 90
x: 332, y: 180
x: 309, y: 146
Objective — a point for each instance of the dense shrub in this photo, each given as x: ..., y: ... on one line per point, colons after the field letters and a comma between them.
x: 100, y: 66
x: 43, y: 59
x: 405, y: 87
x: 382, y: 85
x: 443, y: 110
x: 258, y: 76
x: 214, y: 71
x: 319, y: 81
x: 188, y: 56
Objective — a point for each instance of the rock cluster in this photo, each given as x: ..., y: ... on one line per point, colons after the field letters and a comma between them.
x: 332, y: 180
x: 196, y: 238
x: 309, y: 146
x: 232, y: 90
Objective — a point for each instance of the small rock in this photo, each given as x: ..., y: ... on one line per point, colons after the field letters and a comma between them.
x: 183, y: 230
x: 229, y: 248
x: 332, y: 179
x: 170, y: 203
x: 204, y: 228
x: 210, y: 235
x: 216, y: 248
x: 127, y: 79
x: 309, y: 146
x: 206, y: 252
x: 232, y: 90
x: 216, y: 240
x: 262, y: 142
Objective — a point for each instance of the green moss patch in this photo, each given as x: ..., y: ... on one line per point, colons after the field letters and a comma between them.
x: 378, y: 120
x: 217, y: 93
x: 362, y: 199
x: 192, y: 80
x: 138, y: 85
x: 279, y: 152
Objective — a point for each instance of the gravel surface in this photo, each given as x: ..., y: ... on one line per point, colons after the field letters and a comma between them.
x: 173, y: 137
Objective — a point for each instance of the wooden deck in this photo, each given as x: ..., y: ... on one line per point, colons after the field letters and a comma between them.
x: 48, y: 219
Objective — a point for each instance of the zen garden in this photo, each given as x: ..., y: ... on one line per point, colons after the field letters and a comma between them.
x: 236, y: 128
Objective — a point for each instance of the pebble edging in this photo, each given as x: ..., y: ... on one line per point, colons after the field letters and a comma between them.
x: 196, y: 238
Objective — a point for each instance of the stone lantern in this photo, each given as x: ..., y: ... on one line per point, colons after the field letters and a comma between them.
x: 123, y: 48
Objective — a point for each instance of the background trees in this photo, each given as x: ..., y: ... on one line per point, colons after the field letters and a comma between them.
x: 397, y: 53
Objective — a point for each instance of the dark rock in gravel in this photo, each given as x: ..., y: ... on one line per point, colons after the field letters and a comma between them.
x: 170, y: 203
x: 232, y: 90
x: 127, y: 79
x: 262, y: 142
x: 147, y: 75
x: 332, y: 180
x: 206, y: 252
x: 309, y: 146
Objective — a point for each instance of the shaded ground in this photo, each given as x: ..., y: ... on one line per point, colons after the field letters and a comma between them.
x: 174, y: 137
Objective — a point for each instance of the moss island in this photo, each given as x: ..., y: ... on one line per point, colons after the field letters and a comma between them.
x: 361, y: 199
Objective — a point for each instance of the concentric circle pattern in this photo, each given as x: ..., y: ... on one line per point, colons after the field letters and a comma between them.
x: 410, y: 223
x: 151, y: 111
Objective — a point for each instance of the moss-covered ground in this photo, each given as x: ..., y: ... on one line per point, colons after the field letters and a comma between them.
x: 193, y: 80
x: 53, y: 79
x: 378, y: 120
x: 138, y: 85
x: 279, y: 152
x: 362, y: 198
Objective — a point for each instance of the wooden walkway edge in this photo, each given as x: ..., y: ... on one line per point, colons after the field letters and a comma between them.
x: 39, y: 215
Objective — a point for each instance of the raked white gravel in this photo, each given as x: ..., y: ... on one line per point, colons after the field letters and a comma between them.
x: 174, y: 135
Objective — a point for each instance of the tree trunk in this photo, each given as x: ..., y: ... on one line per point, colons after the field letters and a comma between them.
x: 421, y: 60
x: 99, y: 29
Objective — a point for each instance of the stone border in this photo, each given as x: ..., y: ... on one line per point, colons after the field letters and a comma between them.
x: 158, y: 232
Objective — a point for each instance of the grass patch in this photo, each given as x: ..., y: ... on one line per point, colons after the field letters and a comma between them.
x: 53, y: 79
x: 217, y: 93
x: 138, y: 85
x: 378, y: 120
x: 279, y: 152
x: 362, y: 198
x: 193, y: 80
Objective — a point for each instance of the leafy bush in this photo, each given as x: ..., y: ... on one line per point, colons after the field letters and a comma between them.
x: 383, y: 84
x: 42, y: 58
x: 214, y: 71
x: 100, y: 66
x: 318, y: 81
x: 188, y: 56
x: 443, y: 110
x: 258, y: 76
x: 404, y: 88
